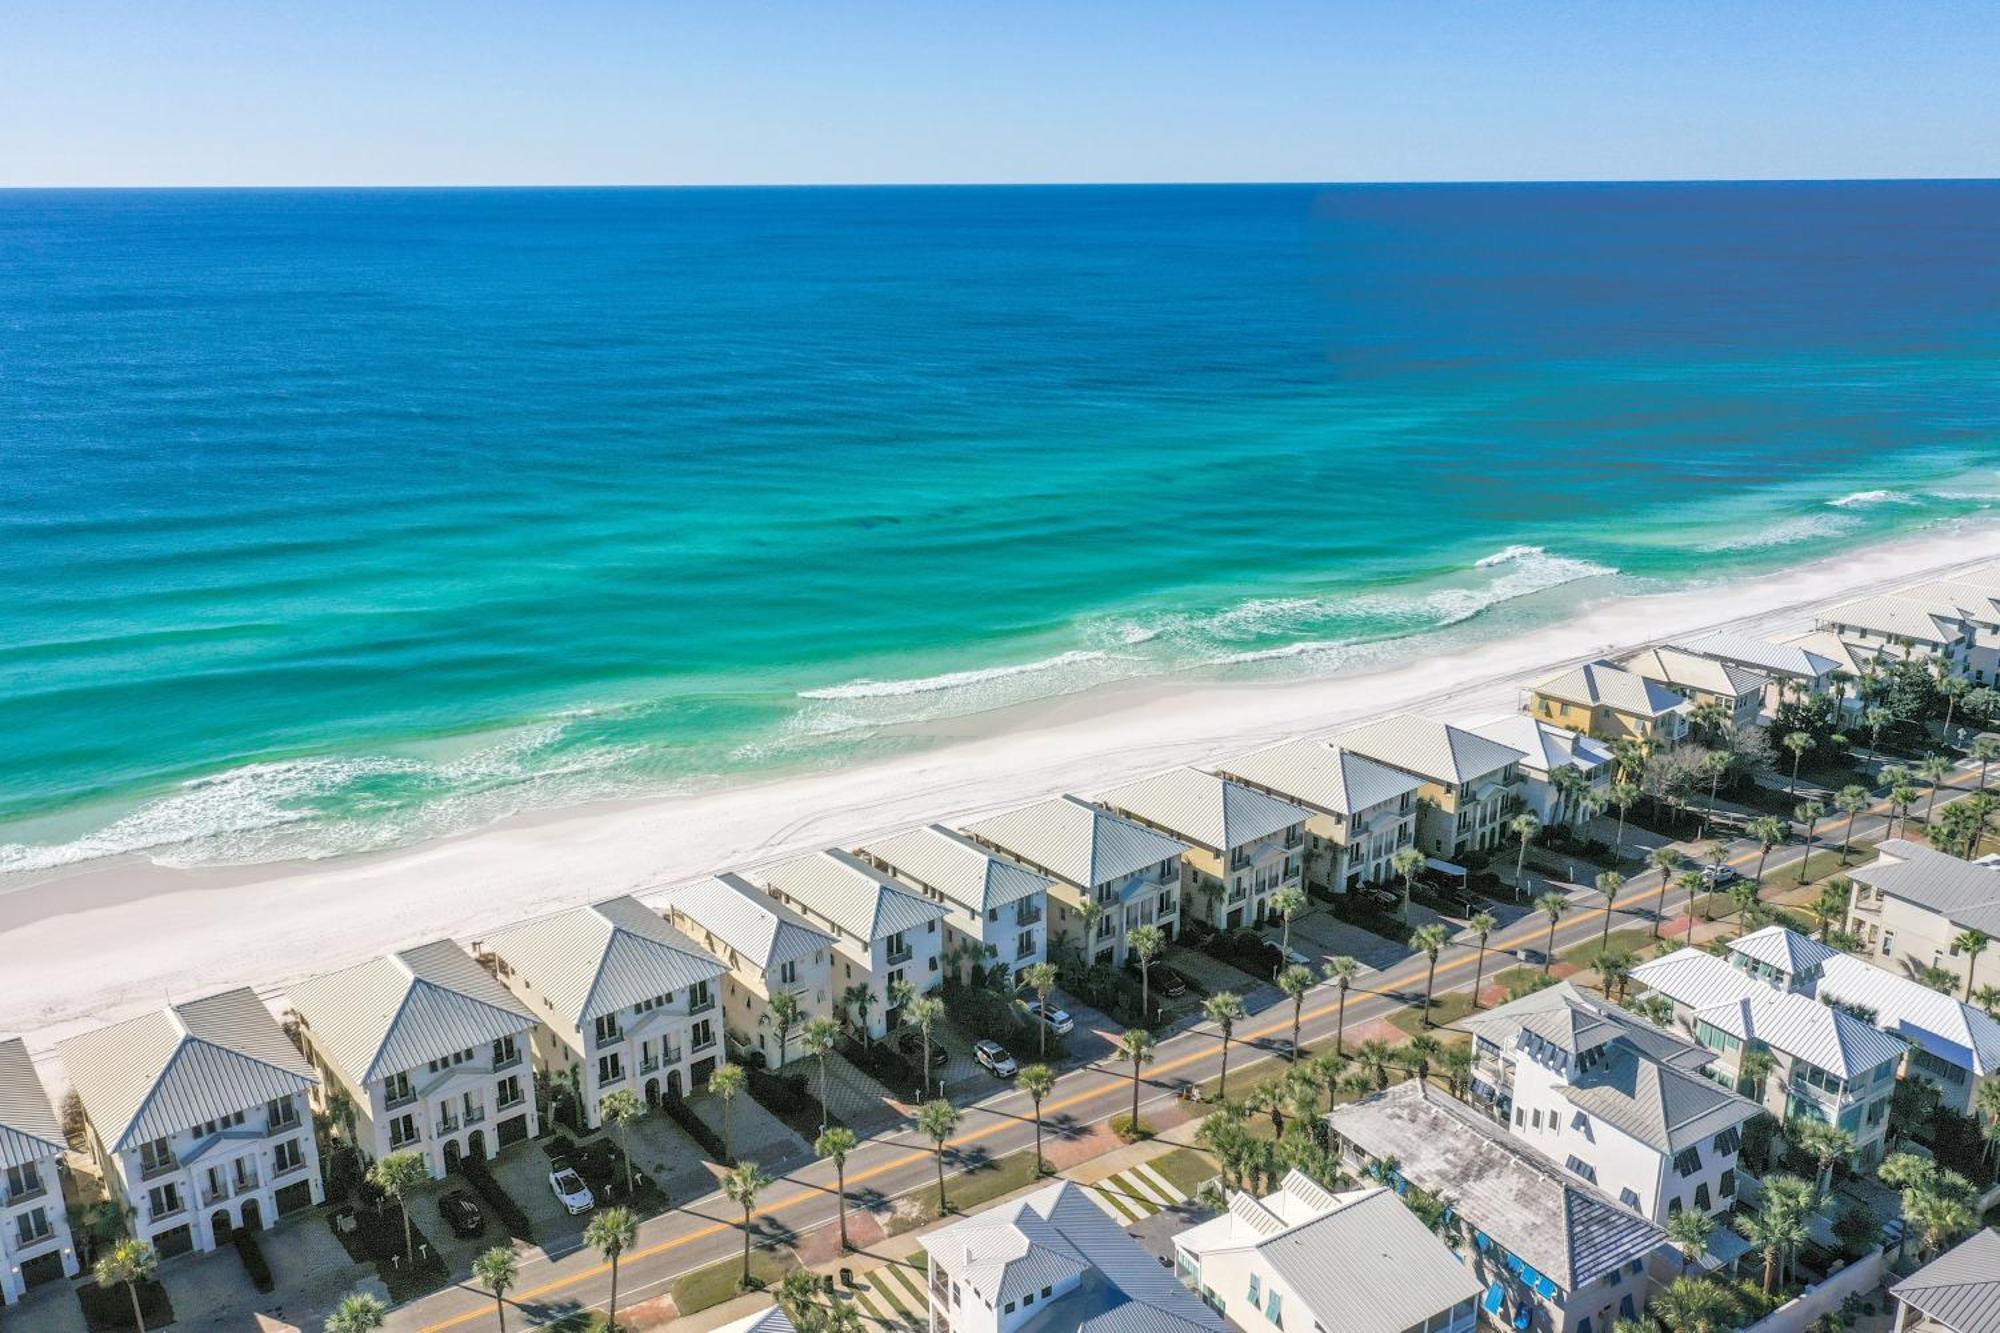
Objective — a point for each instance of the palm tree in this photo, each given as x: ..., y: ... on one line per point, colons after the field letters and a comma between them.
x: 1089, y: 912
x: 1552, y: 905
x: 1295, y: 981
x: 396, y: 1175
x: 1523, y: 826
x: 1986, y: 1107
x: 1774, y: 1230
x: 1875, y: 717
x: 741, y: 1186
x: 1038, y: 1081
x: 1419, y: 1053
x: 1825, y: 1144
x: 1665, y: 860
x: 1956, y: 827
x: 1691, y: 882
x: 1938, y: 1219
x: 1807, y: 813
x: 1713, y: 765
x: 726, y: 1083
x: 1850, y: 800
x: 621, y: 1110
x: 939, y: 1121
x: 817, y: 1041
x: 1483, y: 924
x: 1934, y: 770
x: 1693, y: 1305
x: 1375, y: 1056
x: 1144, y: 943
x: 359, y: 1312
x: 1624, y: 795
x: 1629, y: 754
x: 1901, y: 798
x: 1756, y: 1066
x: 1798, y: 742
x: 834, y: 1144
x: 1971, y: 943
x: 859, y: 999
x: 1224, y: 1009
x: 127, y: 1264
x: 1136, y: 1045
x: 1407, y: 863
x: 496, y: 1269
x: 1341, y: 970
x: 1712, y: 717
x: 1985, y: 748
x: 1608, y: 884
x: 1830, y: 904
x: 1041, y: 978
x: 1430, y: 941
x: 785, y: 1012
x: 1690, y: 1230
x: 1287, y: 903
x: 923, y: 1015
x: 611, y: 1232
x: 1769, y: 831
x: 1953, y: 688
x: 1614, y: 967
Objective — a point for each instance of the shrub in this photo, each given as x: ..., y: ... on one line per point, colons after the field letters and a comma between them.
x: 251, y: 1252
x: 779, y: 1094
x: 512, y: 1219
x: 984, y: 1014
x: 1125, y: 1129
x: 697, y: 1128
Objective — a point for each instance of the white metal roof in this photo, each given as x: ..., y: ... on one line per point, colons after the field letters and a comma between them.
x: 1697, y: 979
x: 1204, y: 809
x: 1784, y: 949
x: 772, y: 1319
x: 1897, y: 615
x: 1077, y: 841
x: 29, y: 1130
x: 1970, y: 600
x: 1807, y: 1030
x: 596, y: 960
x: 1321, y: 775
x: 1613, y: 687
x: 736, y: 914
x: 840, y: 887
x: 414, y: 1006
x: 1673, y: 666
x: 1847, y: 659
x: 975, y: 877
x: 1791, y: 660
x: 1548, y: 746
x: 1944, y: 1025
x: 1436, y: 750
x: 1965, y: 893
x: 164, y: 1072
x: 1960, y: 1289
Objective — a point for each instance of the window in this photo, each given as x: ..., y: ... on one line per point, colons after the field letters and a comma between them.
x: 155, y: 1156
x: 701, y: 1035
x: 607, y: 1028
x: 1582, y: 1168
x: 396, y: 1088
x: 1538, y: 1118
x: 1256, y: 1291
x: 164, y: 1200
x: 287, y: 1157
x: 1027, y: 1300
x: 610, y: 1068
x: 1274, y: 1307
x: 34, y: 1226
x: 788, y: 973
x: 1046, y: 1291
x: 402, y: 1130
x: 1687, y: 1161
x: 1727, y: 1185
x: 1008, y: 1308
x: 281, y: 1114
x: 1673, y: 1205
x: 23, y: 1182
x: 505, y: 1053
x: 509, y: 1089
x: 1728, y: 1142
x: 1629, y: 1198
x: 1888, y: 943
x: 1701, y: 1200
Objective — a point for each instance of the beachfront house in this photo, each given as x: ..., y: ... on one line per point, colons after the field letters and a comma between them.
x: 622, y: 1000
x: 1054, y: 1261
x: 1550, y: 750
x: 768, y: 950
x: 1703, y: 680
x: 1304, y: 1258
x: 1471, y: 786
x: 1131, y: 873
x: 1976, y: 594
x: 884, y: 935
x: 1360, y: 813
x: 1789, y: 667
x: 1829, y: 1064
x: 35, y: 1244
x: 1604, y: 700
x: 1910, y: 905
x: 199, y: 1119
x: 1897, y: 626
x: 1613, y: 1100
x: 997, y: 910
x: 1243, y: 845
x: 1548, y: 1249
x: 430, y: 1050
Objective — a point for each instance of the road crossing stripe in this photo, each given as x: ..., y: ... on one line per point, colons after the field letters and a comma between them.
x: 1166, y: 1188
x: 1137, y: 1185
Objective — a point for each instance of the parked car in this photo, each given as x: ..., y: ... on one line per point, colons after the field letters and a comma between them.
x: 1381, y: 895
x: 911, y: 1044
x: 1164, y: 980
x: 461, y: 1214
x: 1055, y: 1019
x: 1284, y: 956
x: 1718, y: 876
x: 568, y: 1186
x: 994, y: 1058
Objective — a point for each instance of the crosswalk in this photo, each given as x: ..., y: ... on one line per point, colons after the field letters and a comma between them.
x: 1134, y: 1194
x: 893, y: 1296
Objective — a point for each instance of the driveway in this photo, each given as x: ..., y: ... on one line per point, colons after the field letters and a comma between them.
x: 312, y: 1269
x: 1322, y: 935
x: 664, y: 1151
x: 857, y: 1100
x: 523, y: 1171
x: 757, y: 1135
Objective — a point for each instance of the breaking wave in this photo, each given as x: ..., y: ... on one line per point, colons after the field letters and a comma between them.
x: 1860, y: 498
x: 951, y: 680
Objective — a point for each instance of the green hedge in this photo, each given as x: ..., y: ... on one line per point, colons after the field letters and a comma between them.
x: 251, y: 1252
x: 882, y: 1063
x: 697, y: 1128
x: 512, y: 1219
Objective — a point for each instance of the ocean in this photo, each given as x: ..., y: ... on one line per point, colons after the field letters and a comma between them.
x: 337, y: 520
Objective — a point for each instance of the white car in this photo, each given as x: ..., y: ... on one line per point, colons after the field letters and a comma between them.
x: 570, y: 1191
x: 1057, y: 1020
x: 994, y: 1057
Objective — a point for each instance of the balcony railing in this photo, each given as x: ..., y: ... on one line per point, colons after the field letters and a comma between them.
x: 475, y: 1116
x: 34, y: 1191
x: 701, y: 1004
x: 447, y: 1124
x: 702, y: 1045
x: 211, y: 1195
x: 1024, y: 951
x: 1028, y: 916
x: 897, y: 957
x: 245, y: 1183
x: 281, y: 1170
x: 518, y: 1098
x: 612, y: 1077
x: 278, y: 1124
x: 507, y: 1061
x: 611, y: 1038
x: 161, y: 1168
x: 392, y: 1103
x: 174, y: 1209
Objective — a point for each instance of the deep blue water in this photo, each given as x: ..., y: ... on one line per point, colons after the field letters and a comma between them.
x: 335, y: 519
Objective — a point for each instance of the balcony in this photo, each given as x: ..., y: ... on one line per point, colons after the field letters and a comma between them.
x: 611, y: 1038
x: 447, y: 1124
x: 404, y: 1099
x: 897, y: 957
x: 507, y: 1061
x: 165, y: 1167
x: 649, y: 1065
x: 246, y: 1181
x: 701, y: 1004
x: 1024, y: 951
x: 1028, y: 916
x: 212, y: 1195
x: 475, y: 1115
x: 174, y: 1209
x: 278, y: 1124
x: 704, y: 1043
x: 506, y: 1104
x: 283, y: 1169
x: 611, y: 1078
x: 34, y: 1191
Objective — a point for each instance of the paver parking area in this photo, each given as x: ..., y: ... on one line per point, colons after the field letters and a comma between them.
x: 1322, y: 935
x: 523, y: 1171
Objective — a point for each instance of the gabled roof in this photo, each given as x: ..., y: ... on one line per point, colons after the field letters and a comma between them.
x: 1673, y: 666
x: 1320, y: 774
x: 1608, y: 685
x: 1846, y: 657
x: 1944, y: 1025
x: 1971, y: 600
x: 1503, y: 1023
x: 975, y: 877
x: 1784, y: 949
x: 1665, y: 1108
x: 1697, y: 979
x: 1570, y: 1028
x: 1959, y: 1289
x: 772, y: 1319
x: 596, y: 960
x: 741, y: 916
x: 1436, y: 750
x: 168, y: 1071
x: 1204, y: 809
x: 1548, y: 746
x: 1082, y: 843
x: 1807, y: 1030
x: 1964, y: 892
x: 1896, y: 615
x: 1793, y: 661
x: 1058, y: 1232
x: 29, y: 1130
x: 414, y: 1006
x: 1565, y: 1229
x: 840, y: 887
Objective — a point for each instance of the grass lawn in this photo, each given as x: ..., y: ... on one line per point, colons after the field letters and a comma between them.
x: 1519, y: 981
x: 1186, y: 1168
x: 1824, y: 863
x: 1633, y: 940
x: 717, y: 1283
x: 1445, y: 1009
x: 969, y: 1190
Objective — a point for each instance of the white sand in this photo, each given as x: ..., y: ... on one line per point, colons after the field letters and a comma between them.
x: 108, y: 940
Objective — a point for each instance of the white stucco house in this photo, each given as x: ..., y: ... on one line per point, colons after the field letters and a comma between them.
x: 884, y: 935
x: 1361, y: 813
x: 1243, y: 845
x: 1550, y: 749
x: 768, y: 950
x: 431, y: 1051
x: 1471, y: 786
x: 997, y: 910
x: 35, y: 1243
x: 199, y: 1119
x: 622, y: 1000
x: 1911, y: 904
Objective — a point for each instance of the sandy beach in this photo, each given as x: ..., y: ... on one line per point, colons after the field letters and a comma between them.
x: 108, y: 939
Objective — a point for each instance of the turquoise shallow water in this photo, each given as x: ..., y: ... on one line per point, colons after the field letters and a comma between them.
x: 335, y: 520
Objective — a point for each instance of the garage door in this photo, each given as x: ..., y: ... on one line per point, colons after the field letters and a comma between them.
x: 178, y: 1241
x: 513, y: 1129
x: 43, y: 1268
x: 297, y: 1195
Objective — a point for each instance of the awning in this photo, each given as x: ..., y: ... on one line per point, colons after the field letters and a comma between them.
x: 1444, y: 867
x: 1725, y: 1247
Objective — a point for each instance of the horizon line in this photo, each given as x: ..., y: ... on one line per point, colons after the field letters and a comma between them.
x: 1024, y: 184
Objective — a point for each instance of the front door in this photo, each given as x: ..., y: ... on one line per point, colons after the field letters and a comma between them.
x: 674, y: 1085
x: 218, y: 1228
x: 475, y: 1144
x: 451, y: 1154
x: 253, y: 1215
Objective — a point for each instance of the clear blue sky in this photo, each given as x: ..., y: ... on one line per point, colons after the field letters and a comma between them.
x: 597, y: 91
